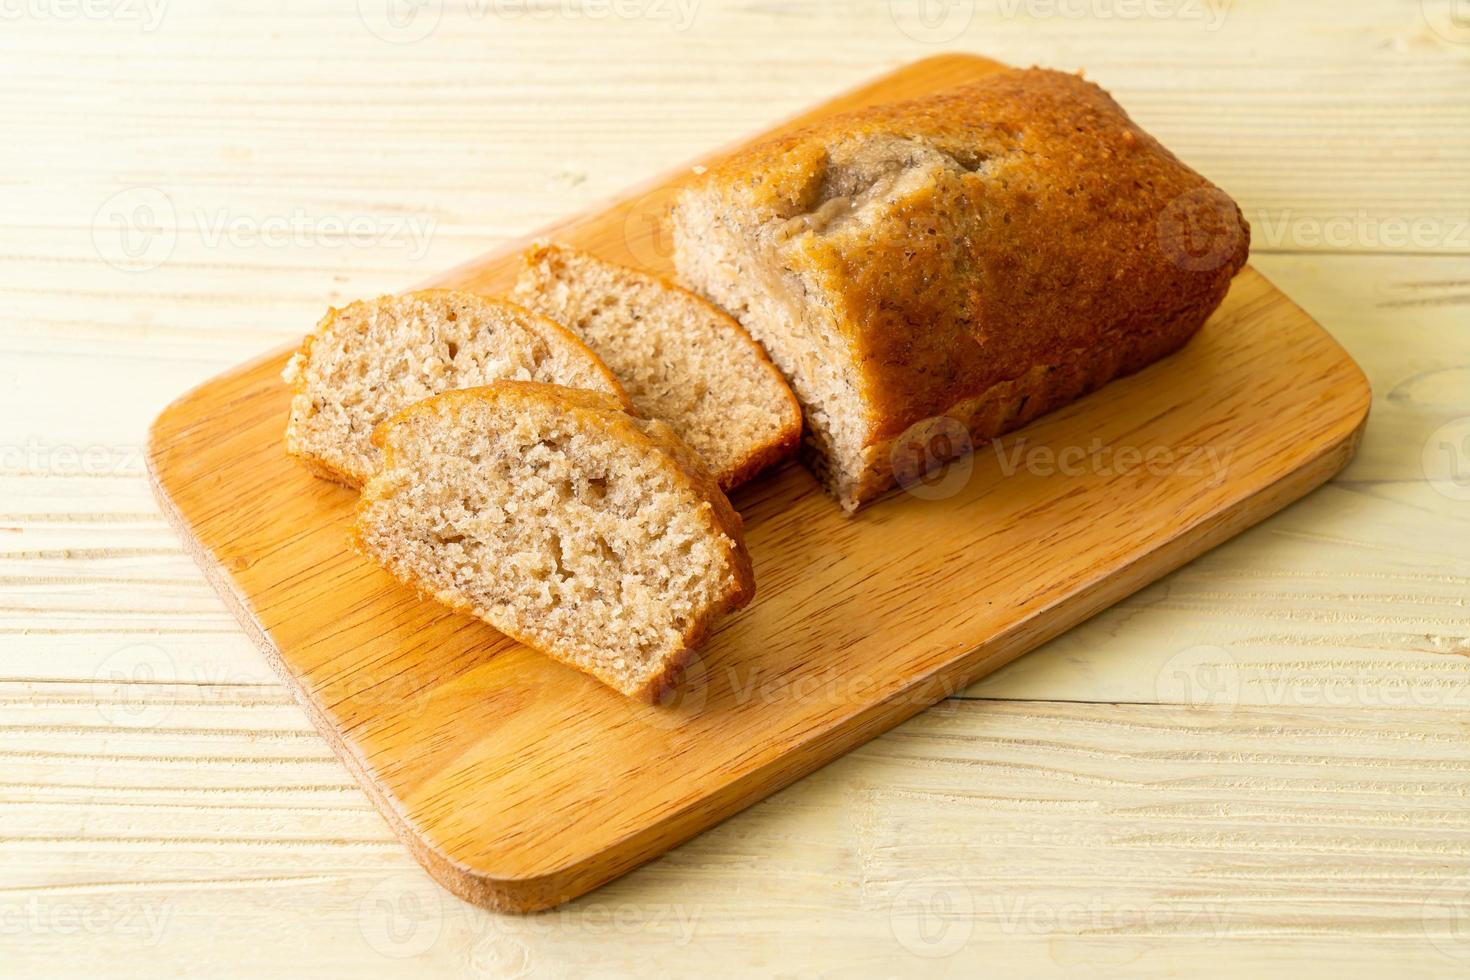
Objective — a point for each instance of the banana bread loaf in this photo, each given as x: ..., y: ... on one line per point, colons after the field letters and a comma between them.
x: 984, y: 255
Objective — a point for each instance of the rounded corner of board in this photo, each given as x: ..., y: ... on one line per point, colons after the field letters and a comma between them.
x: 496, y: 892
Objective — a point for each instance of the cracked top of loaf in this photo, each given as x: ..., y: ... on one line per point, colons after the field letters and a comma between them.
x: 954, y: 242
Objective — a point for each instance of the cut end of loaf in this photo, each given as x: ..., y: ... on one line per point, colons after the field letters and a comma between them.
x: 680, y: 358
x: 563, y: 521
x: 920, y: 260
x: 728, y: 259
x: 373, y: 358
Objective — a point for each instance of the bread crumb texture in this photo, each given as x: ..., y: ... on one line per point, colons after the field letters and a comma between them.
x: 372, y: 358
x: 680, y: 358
x: 563, y: 521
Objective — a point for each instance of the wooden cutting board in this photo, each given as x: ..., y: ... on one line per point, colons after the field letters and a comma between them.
x: 520, y: 783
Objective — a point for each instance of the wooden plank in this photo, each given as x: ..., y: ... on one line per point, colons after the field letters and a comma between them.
x: 491, y: 128
x: 859, y: 622
x: 981, y: 836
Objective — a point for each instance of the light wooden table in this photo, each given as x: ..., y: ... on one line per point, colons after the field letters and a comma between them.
x: 1260, y: 764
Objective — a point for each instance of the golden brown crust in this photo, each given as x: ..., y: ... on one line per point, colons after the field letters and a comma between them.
x: 1012, y: 404
x: 602, y: 411
x: 783, y: 444
x: 1040, y: 220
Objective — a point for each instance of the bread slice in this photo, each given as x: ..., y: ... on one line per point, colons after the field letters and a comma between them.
x: 935, y: 273
x: 680, y: 359
x: 368, y: 360
x: 562, y: 520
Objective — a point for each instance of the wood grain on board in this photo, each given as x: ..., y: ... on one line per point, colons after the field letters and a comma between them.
x: 520, y: 783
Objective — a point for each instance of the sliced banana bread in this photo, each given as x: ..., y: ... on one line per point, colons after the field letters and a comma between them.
x: 680, y: 359
x: 562, y: 520
x: 373, y: 357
